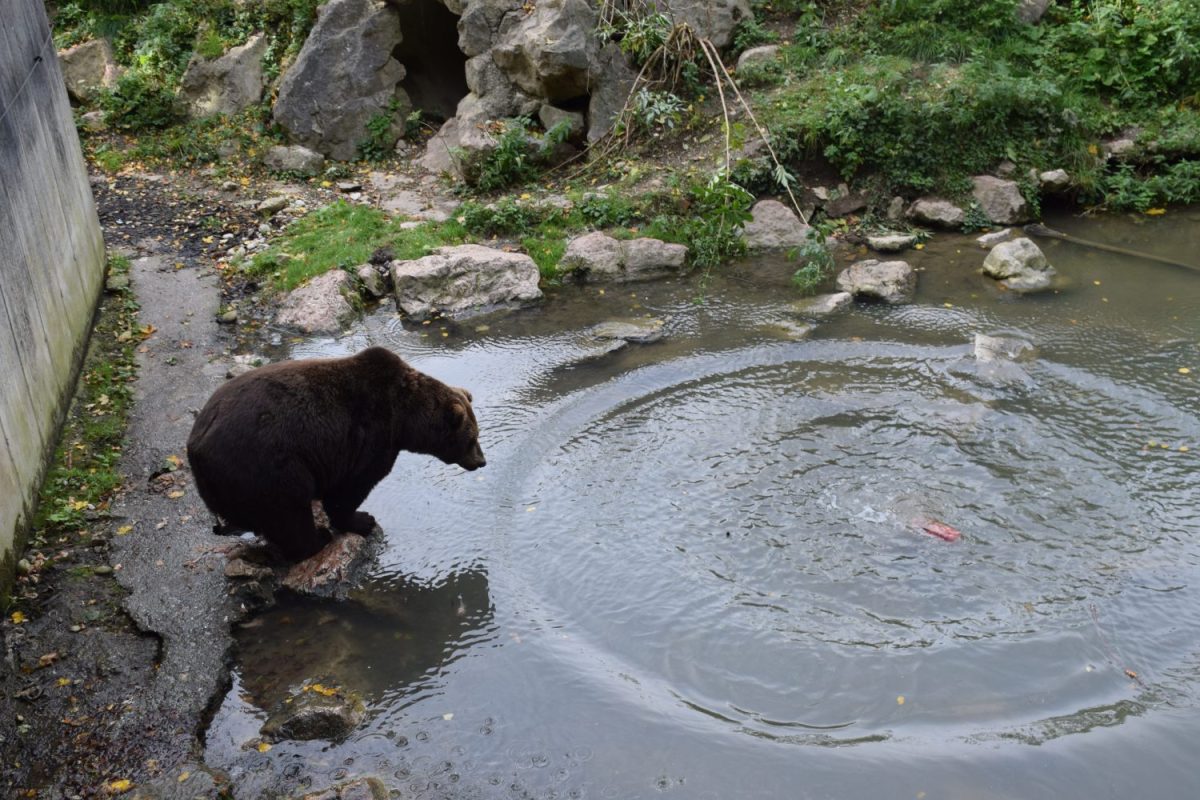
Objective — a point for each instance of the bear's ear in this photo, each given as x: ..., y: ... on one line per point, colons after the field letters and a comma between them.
x: 465, y: 394
x: 456, y: 414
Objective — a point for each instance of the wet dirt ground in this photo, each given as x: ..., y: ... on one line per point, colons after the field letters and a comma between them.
x: 111, y: 678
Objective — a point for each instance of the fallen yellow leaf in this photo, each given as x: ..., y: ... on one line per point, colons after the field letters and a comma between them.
x: 918, y: 246
x: 263, y: 747
x: 18, y: 618
x: 120, y: 786
x: 327, y: 691
x: 900, y: 700
x: 1155, y: 212
x: 1184, y: 371
x: 183, y: 776
x: 124, y: 529
x: 64, y: 681
x: 175, y: 495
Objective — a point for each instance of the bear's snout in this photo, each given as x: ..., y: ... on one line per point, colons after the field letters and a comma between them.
x: 473, y: 460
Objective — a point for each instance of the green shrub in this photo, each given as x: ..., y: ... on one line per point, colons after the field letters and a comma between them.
x: 506, y: 217
x: 750, y: 32
x: 139, y: 101
x: 711, y: 225
x: 517, y: 158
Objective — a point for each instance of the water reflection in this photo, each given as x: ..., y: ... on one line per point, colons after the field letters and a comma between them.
x: 389, y: 641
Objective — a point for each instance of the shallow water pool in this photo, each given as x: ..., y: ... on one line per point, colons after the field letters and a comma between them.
x: 696, y: 567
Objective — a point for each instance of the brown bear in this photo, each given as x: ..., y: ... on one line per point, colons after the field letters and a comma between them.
x: 273, y: 440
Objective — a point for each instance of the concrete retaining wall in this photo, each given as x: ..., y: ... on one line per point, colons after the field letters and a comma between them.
x: 51, y: 261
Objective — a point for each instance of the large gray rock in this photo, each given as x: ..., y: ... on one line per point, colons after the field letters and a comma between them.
x: 936, y: 211
x: 1001, y: 200
x: 549, y: 51
x: 319, y: 306
x: 711, y: 19
x: 1021, y: 265
x: 345, y: 75
x: 890, y: 281
x: 612, y: 81
x: 551, y: 117
x: 1031, y: 11
x: 225, y: 85
x: 88, y: 68
x: 294, y: 158
x: 464, y: 279
x: 774, y: 226
x: 1054, y: 180
x: 462, y: 141
x: 599, y: 257
x: 764, y: 54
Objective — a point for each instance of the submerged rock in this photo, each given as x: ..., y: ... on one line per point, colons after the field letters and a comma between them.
x: 634, y: 331
x: 319, y: 306
x: 1021, y: 265
x: 891, y: 242
x: 1001, y: 348
x: 361, y: 789
x: 990, y: 240
x: 464, y: 279
x: 315, y: 712
x: 890, y: 281
x: 332, y: 571
x: 822, y: 305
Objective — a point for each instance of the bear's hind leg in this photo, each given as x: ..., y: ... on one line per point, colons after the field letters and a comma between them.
x: 293, y: 531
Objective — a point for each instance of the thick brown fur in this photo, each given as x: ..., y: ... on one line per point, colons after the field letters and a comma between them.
x: 271, y: 441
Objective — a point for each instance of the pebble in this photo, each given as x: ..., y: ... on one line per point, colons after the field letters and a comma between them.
x: 103, y: 569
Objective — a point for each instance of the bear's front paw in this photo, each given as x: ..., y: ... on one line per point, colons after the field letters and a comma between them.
x: 358, y: 522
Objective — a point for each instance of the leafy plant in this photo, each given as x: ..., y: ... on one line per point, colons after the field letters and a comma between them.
x: 656, y: 110
x: 712, y: 225
x: 816, y: 266
x: 638, y: 31
x: 382, y: 133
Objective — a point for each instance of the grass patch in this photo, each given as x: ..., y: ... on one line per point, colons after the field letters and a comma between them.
x: 343, y: 235
x: 83, y: 475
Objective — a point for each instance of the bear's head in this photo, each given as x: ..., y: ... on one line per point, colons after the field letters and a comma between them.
x: 460, y: 445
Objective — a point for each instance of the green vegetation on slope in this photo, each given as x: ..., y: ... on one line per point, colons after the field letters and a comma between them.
x: 921, y: 94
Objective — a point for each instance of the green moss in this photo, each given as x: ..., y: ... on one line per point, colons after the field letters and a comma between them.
x: 84, y: 474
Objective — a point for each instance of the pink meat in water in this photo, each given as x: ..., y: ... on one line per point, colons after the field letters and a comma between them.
x: 941, y: 530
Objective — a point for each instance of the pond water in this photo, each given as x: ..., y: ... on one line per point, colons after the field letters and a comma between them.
x: 695, y: 568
